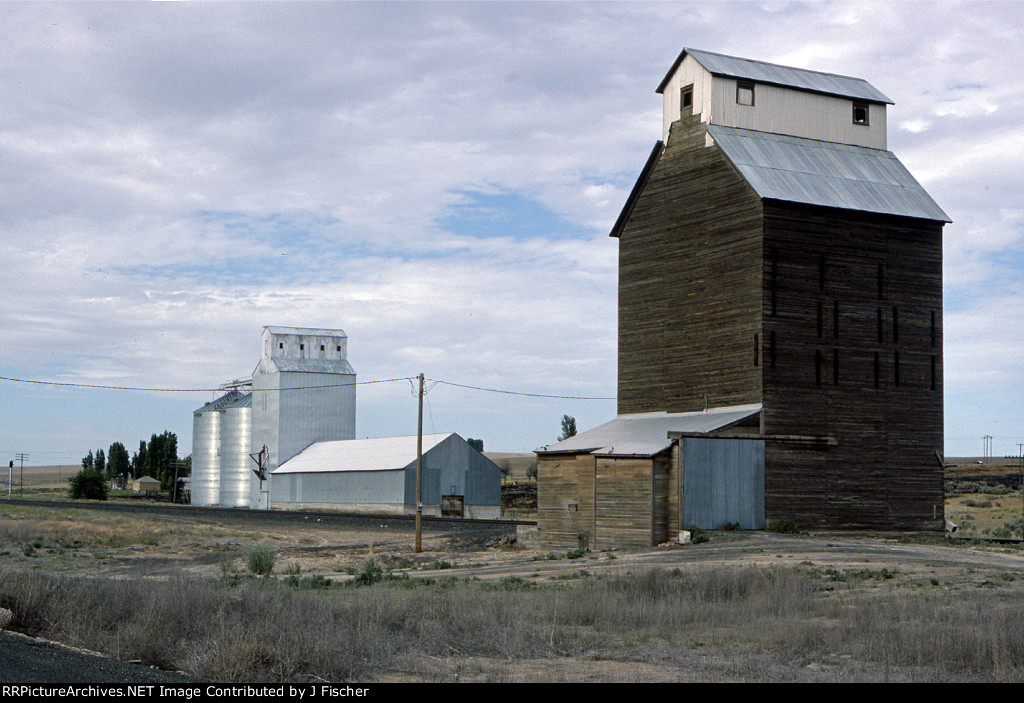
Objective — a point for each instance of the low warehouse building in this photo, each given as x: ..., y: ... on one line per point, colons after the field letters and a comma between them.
x: 379, y: 475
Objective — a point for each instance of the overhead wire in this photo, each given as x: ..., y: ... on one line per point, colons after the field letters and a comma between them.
x: 434, y: 382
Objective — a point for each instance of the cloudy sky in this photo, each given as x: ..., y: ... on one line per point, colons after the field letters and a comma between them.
x: 439, y: 181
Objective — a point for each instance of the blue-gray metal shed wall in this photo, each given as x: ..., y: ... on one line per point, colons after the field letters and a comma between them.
x: 723, y: 481
x: 455, y: 468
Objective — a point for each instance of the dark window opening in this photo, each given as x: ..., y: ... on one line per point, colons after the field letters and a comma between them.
x: 745, y: 93
x: 280, y: 345
x: 338, y: 348
x: 302, y: 347
x: 860, y: 113
x: 321, y: 347
x: 686, y: 101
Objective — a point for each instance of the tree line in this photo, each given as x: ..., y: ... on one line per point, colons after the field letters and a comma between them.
x: 157, y: 458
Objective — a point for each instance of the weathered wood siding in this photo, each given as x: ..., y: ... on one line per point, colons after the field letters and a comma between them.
x: 565, y: 499
x: 832, y: 319
x: 842, y: 289
x: 690, y: 283
x: 624, y: 502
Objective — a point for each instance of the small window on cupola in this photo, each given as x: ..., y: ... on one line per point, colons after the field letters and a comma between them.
x: 745, y: 93
x: 686, y: 100
x: 860, y: 113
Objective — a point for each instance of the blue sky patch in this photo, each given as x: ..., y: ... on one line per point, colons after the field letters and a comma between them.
x: 485, y: 215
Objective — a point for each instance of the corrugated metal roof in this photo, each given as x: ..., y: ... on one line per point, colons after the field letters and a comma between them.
x: 313, y: 365
x: 307, y: 331
x: 378, y: 454
x: 794, y: 169
x: 234, y: 399
x: 799, y: 78
x: 646, y: 434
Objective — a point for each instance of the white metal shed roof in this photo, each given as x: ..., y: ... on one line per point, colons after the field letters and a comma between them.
x: 378, y: 454
x: 646, y: 434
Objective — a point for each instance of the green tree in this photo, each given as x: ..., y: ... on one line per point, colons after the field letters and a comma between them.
x: 117, y: 460
x: 87, y: 460
x: 568, y: 427
x: 88, y: 483
x: 101, y: 462
x: 140, y: 461
x: 477, y: 444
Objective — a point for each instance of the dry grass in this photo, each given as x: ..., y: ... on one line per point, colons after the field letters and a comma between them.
x: 739, y: 623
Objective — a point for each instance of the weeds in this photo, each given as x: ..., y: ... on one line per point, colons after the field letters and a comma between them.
x: 783, y: 526
x: 260, y: 560
x: 306, y: 629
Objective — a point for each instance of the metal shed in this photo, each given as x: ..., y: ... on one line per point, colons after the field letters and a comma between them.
x: 379, y: 475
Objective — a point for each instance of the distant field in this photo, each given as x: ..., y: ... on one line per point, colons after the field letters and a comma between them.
x: 39, y: 476
x: 514, y: 464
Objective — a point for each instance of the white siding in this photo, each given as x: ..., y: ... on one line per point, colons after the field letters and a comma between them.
x: 776, y: 109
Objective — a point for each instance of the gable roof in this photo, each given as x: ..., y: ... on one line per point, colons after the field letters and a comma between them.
x: 813, y: 172
x: 774, y: 74
x: 305, y: 331
x: 377, y: 454
x: 646, y: 434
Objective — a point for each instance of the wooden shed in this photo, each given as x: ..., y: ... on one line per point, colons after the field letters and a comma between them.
x: 637, y: 479
x: 774, y: 252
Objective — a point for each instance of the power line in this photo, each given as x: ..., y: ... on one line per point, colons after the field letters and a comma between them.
x: 299, y: 388
x: 182, y: 390
x: 530, y: 395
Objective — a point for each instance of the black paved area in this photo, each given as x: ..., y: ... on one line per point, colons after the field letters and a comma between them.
x: 27, y: 660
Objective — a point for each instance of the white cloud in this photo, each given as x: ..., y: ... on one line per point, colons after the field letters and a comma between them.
x: 177, y: 176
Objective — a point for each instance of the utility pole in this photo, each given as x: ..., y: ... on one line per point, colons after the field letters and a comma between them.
x: 21, y: 480
x: 1020, y: 453
x: 419, y: 462
x: 10, y: 478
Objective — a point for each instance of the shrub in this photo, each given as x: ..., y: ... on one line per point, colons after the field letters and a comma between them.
x: 88, y: 483
x: 783, y: 526
x: 372, y: 573
x: 260, y: 560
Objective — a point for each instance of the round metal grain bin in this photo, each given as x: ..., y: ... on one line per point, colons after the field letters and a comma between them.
x: 206, y: 457
x: 235, y: 465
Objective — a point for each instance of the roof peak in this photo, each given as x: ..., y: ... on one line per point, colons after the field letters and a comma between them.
x: 778, y: 74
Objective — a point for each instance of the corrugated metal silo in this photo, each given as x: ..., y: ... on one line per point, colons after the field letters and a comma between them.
x: 235, y: 465
x: 205, y: 457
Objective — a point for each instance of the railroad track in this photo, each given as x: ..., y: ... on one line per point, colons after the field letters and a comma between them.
x: 246, y: 514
